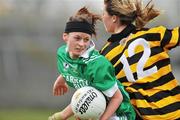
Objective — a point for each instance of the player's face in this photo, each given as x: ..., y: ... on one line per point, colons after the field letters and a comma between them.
x: 77, y: 43
x: 108, y: 21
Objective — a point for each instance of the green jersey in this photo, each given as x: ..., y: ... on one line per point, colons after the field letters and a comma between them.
x: 93, y: 69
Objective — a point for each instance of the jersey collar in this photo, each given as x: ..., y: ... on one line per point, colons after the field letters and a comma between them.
x: 123, y: 34
x: 86, y: 54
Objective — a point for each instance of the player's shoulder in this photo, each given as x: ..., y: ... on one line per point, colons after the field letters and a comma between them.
x: 151, y: 30
x: 95, y: 57
x: 98, y: 58
x: 158, y: 29
x: 61, y: 49
x: 154, y: 31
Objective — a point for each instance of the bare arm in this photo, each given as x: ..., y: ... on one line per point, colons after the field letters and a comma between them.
x: 67, y: 112
x: 63, y: 115
x: 112, y: 106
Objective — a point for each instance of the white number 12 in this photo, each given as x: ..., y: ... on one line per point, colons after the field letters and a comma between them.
x: 141, y: 63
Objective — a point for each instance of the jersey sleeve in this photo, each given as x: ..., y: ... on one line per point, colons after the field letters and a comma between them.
x: 102, y: 75
x: 60, y: 53
x: 170, y: 38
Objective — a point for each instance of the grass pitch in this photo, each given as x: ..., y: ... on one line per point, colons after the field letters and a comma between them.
x: 26, y: 114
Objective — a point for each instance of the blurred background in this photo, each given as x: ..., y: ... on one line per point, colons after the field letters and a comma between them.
x: 30, y: 33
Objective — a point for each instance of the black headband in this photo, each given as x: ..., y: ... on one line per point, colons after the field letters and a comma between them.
x: 77, y: 26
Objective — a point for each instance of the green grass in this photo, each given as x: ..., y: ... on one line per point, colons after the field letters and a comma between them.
x: 26, y: 114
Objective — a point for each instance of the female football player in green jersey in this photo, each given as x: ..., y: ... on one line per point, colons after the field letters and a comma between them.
x: 79, y: 65
x: 140, y: 58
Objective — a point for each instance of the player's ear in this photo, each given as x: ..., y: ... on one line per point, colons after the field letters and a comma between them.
x: 65, y: 37
x: 114, y: 18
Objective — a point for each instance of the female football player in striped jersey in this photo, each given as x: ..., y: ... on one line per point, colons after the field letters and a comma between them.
x: 79, y: 65
x: 140, y: 58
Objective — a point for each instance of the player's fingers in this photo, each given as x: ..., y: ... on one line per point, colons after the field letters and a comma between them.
x: 54, y: 91
x: 64, y: 90
x: 59, y: 91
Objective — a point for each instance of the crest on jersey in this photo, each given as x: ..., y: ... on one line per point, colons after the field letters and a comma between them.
x: 66, y: 65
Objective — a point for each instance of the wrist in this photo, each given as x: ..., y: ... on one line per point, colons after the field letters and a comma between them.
x: 58, y: 116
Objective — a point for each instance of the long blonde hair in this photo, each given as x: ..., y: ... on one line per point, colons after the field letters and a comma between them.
x: 132, y: 11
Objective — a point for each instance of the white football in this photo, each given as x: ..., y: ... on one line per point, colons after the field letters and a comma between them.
x: 88, y: 103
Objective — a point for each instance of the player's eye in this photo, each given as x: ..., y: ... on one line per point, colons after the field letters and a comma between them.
x: 86, y: 39
x: 77, y: 38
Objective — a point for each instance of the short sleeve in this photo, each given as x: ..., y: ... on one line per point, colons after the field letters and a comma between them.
x: 170, y: 38
x: 60, y: 54
x: 102, y: 74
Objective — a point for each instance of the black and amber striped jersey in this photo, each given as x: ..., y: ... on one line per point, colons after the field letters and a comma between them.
x: 142, y: 65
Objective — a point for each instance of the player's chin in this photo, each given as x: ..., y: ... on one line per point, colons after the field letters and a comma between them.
x: 78, y: 53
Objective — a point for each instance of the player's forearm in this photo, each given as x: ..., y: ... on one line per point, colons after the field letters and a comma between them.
x: 67, y: 112
x: 112, y: 106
